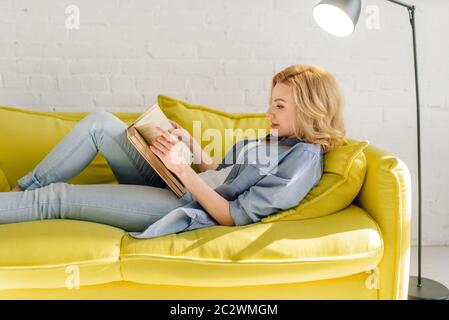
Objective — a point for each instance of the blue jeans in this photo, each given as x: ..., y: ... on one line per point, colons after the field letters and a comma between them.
x: 140, y: 199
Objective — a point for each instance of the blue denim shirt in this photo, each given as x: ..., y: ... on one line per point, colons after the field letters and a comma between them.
x: 254, y: 189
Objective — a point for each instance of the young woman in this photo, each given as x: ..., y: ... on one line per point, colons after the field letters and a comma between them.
x: 305, y: 109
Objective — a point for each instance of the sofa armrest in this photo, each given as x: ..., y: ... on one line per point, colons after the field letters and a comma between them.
x: 386, y: 195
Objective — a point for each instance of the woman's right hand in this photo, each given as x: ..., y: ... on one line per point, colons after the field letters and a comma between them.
x: 181, y: 133
x: 201, y: 158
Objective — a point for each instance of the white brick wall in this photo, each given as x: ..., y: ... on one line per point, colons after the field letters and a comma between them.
x: 223, y: 53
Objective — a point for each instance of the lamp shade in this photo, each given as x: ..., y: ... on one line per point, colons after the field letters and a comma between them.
x: 338, y: 17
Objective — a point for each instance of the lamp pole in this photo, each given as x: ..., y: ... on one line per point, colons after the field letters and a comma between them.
x: 419, y: 288
x: 411, y: 11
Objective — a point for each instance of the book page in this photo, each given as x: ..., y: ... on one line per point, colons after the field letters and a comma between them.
x: 152, y: 118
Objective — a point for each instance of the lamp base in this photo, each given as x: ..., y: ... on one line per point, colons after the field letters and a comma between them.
x: 429, y: 290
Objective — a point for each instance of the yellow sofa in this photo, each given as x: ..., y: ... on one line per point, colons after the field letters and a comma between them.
x: 360, y: 252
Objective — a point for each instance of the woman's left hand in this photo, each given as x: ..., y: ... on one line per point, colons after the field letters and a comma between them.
x: 170, y: 150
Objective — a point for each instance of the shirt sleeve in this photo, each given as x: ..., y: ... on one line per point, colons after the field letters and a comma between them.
x: 283, y: 188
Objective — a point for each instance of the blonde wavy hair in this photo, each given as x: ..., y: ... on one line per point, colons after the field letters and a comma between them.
x: 319, y: 104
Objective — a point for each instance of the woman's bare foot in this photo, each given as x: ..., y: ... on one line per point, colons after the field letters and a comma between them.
x: 16, y: 189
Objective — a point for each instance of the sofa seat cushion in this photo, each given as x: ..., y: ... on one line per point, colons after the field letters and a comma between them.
x: 58, y: 254
x: 337, y: 245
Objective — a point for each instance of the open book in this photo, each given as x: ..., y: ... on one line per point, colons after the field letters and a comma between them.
x: 141, y: 134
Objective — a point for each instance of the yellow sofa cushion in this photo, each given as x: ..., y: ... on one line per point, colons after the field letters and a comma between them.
x: 53, y: 253
x: 337, y: 245
x: 344, y: 167
x: 39, y: 133
x: 4, y: 185
x: 218, y: 129
x: 343, y: 175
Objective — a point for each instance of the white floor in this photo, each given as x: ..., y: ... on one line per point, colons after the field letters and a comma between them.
x: 434, y: 263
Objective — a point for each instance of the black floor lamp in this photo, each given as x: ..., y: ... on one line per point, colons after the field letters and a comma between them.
x: 339, y: 17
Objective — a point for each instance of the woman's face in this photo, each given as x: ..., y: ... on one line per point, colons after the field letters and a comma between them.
x: 282, y: 112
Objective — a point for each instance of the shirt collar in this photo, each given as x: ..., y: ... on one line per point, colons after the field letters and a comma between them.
x: 285, y: 140
x: 282, y: 140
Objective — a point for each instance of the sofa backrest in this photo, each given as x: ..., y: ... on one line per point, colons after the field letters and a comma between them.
x: 27, y: 136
